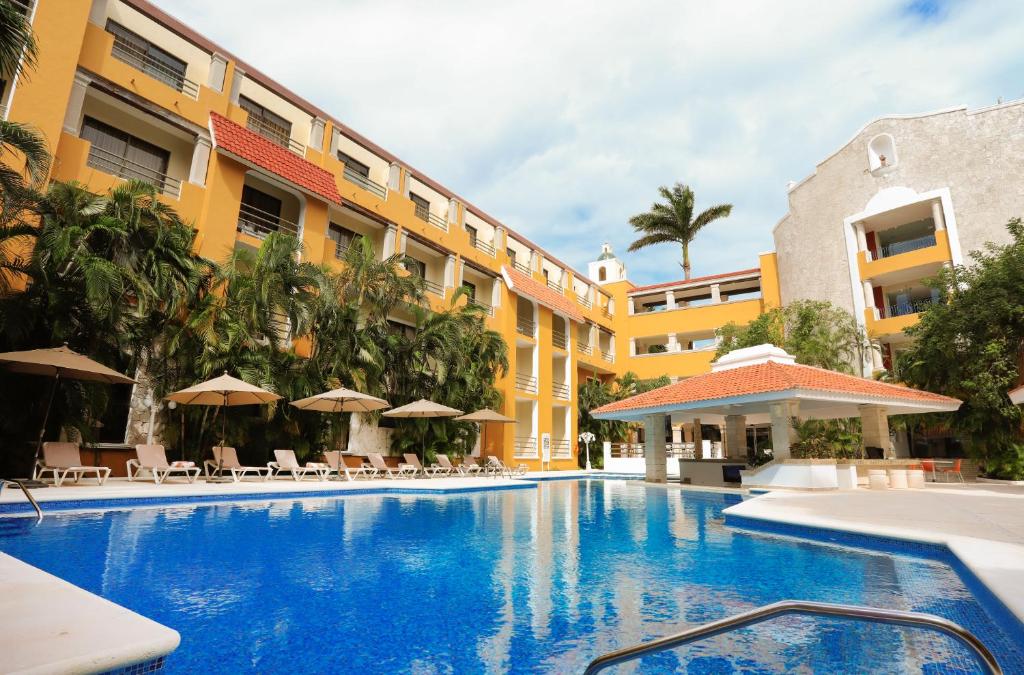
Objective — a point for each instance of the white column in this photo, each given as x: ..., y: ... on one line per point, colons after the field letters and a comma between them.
x: 496, y: 293
x: 218, y: 70
x: 670, y: 299
x: 499, y: 240
x: 236, y: 83
x: 449, y: 271
x: 316, y: 133
x: 673, y: 343
x: 611, y: 306
x: 869, y: 299
x: 632, y: 346
x: 716, y: 293
x: 736, y: 437
x: 73, y: 114
x: 98, y: 12
x: 390, y: 241
x: 200, y: 161
x: 395, y: 178
x: 403, y: 243
x: 874, y: 423
x: 536, y: 264
x: 862, y: 240
x: 632, y: 306
x: 453, y: 212
x: 781, y: 429
x: 937, y: 216
x: 876, y: 356
x: 654, y: 449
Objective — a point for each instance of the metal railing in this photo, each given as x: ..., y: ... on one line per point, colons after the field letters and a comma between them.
x: 891, y: 617
x: 559, y: 339
x: 362, y: 181
x: 555, y: 286
x: 116, y: 165
x: 481, y: 245
x: 525, y: 327
x: 126, y: 53
x: 526, y: 383
x: 909, y: 307
x: 423, y: 213
x: 672, y: 450
x: 488, y: 310
x: 584, y: 300
x: 561, y: 448
x: 259, y: 223
x: 525, y: 446
x: 433, y: 287
x: 521, y: 267
x: 560, y: 390
x: 340, y: 250
x: 28, y: 495
x: 907, y: 246
x: 584, y: 348
x: 608, y: 356
x: 275, y: 134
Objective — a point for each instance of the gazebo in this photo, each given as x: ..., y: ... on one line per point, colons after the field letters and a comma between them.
x: 765, y: 384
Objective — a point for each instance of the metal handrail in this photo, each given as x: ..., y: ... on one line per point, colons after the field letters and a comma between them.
x: 559, y: 339
x: 423, y: 213
x: 433, y: 287
x: 910, y: 307
x: 526, y: 383
x: 584, y: 348
x: 555, y: 286
x: 873, y: 614
x: 584, y: 300
x: 259, y: 223
x: 481, y: 245
x: 122, y: 167
x: 560, y: 390
x: 525, y: 327
x: 353, y: 176
x: 126, y: 53
x: 608, y: 356
x: 28, y: 495
x: 906, y: 246
x: 561, y: 448
x: 525, y: 269
x: 523, y: 444
x: 488, y: 310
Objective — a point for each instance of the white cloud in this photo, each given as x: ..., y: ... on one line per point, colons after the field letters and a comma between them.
x: 562, y: 118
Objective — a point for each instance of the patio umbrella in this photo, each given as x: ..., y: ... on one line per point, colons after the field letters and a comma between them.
x: 58, y: 363
x: 223, y: 391
x: 341, y: 400
x: 483, y: 416
x: 423, y: 408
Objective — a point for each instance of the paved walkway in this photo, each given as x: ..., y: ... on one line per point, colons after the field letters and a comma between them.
x: 983, y: 525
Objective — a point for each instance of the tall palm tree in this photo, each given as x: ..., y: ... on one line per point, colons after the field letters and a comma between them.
x: 673, y: 221
x: 18, y: 52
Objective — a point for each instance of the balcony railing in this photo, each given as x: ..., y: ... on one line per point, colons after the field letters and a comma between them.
x: 274, y: 134
x: 525, y: 446
x: 561, y: 448
x: 584, y: 348
x: 608, y: 356
x: 560, y: 339
x: 126, y: 53
x: 909, y: 307
x: 555, y: 286
x: 116, y: 165
x: 907, y: 246
x: 584, y: 300
x: 672, y: 450
x: 525, y: 326
x: 433, y: 287
x: 423, y: 213
x: 340, y: 250
x: 560, y: 390
x: 488, y: 310
x: 259, y: 223
x: 481, y: 245
x: 526, y: 383
x: 521, y: 267
x: 362, y: 181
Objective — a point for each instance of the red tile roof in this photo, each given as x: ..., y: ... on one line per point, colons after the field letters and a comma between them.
x: 276, y: 159
x: 524, y: 285
x: 694, y: 280
x: 771, y: 377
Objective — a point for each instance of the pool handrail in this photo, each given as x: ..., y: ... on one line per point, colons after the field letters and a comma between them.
x: 730, y: 623
x: 28, y: 495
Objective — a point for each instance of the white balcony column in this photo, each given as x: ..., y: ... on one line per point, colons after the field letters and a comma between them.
x: 335, y: 140
x: 316, y: 134
x: 73, y: 114
x: 735, y: 437
x: 611, y: 306
x: 874, y: 426
x: 99, y: 12
x: 593, y: 338
x: 782, y: 427
x: 876, y: 356
x: 862, y: 239
x: 716, y: 293
x: 455, y: 216
x: 218, y: 71
x: 496, y: 292
x: 670, y: 299
x: 200, y: 161
x: 673, y: 343
x: 536, y: 262
x: 937, y: 216
x: 632, y: 346
x: 631, y: 305
x: 236, y: 83
x: 869, y: 299
x: 500, y: 242
x: 655, y: 458
x: 449, y: 271
x: 403, y: 243
x: 390, y: 241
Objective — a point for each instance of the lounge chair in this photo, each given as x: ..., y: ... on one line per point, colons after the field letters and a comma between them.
x: 153, y: 458
x: 338, y: 466
x: 432, y: 471
x: 286, y: 463
x: 469, y: 467
x: 64, y: 459
x: 445, y: 463
x: 403, y: 470
x: 225, y: 458
x: 499, y: 468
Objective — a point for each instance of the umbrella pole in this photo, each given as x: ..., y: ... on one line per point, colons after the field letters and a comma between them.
x: 34, y: 483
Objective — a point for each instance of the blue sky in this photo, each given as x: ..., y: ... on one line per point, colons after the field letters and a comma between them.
x: 563, y: 118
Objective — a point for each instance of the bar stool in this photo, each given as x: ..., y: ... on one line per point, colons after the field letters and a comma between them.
x: 877, y: 479
x: 898, y: 479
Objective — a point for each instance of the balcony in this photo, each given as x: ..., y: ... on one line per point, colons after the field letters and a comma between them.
x: 607, y: 356
x: 525, y: 269
x: 488, y: 310
x: 584, y: 300
x: 561, y: 448
x: 433, y: 287
x: 525, y: 446
x: 898, y: 247
x: 555, y: 286
x: 481, y: 245
x: 258, y: 223
x: 921, y: 256
x: 525, y: 326
x: 584, y: 348
x: 560, y: 390
x: 526, y: 384
x: 353, y: 176
x: 908, y: 307
x: 125, y: 52
x: 116, y: 165
x: 275, y: 134
x: 559, y: 339
x: 423, y: 213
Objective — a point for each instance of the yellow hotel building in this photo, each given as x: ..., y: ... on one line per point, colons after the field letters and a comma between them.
x: 124, y: 90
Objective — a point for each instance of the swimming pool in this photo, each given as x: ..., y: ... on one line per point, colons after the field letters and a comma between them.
x: 530, y: 580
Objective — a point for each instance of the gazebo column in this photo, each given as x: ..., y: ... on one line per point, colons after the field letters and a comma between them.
x: 736, y: 436
x: 654, y: 449
x: 698, y: 439
x: 782, y: 427
x: 874, y: 425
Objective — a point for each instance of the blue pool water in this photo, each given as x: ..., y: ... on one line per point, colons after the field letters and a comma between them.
x: 536, y: 580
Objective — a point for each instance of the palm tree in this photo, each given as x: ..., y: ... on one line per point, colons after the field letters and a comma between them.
x: 673, y: 221
x: 18, y: 51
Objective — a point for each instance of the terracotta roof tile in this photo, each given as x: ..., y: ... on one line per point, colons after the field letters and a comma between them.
x: 276, y: 159
x: 769, y: 377
x: 524, y: 285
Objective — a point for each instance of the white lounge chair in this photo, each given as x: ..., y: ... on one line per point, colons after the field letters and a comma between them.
x: 225, y: 458
x: 64, y: 459
x: 153, y: 458
x: 446, y: 463
x: 469, y: 467
x: 431, y: 471
x: 403, y: 470
x: 338, y: 465
x: 286, y: 463
x: 499, y: 468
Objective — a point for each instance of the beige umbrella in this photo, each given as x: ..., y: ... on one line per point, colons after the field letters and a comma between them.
x: 483, y: 417
x: 423, y: 408
x: 223, y: 391
x: 341, y: 400
x: 58, y: 363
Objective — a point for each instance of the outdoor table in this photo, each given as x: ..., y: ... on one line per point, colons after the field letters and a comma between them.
x: 938, y: 462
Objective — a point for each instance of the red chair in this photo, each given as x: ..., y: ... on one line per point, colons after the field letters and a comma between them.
x: 929, y: 468
x: 952, y: 470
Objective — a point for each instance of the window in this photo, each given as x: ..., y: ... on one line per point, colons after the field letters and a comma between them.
x: 271, y: 126
x: 472, y: 234
x: 511, y: 256
x: 470, y: 290
x: 545, y: 273
x: 259, y: 213
x: 602, y: 274
x: 139, y: 53
x: 261, y: 200
x: 417, y: 268
x: 398, y: 328
x: 341, y: 236
x: 354, y: 165
x: 122, y: 155
x: 422, y: 206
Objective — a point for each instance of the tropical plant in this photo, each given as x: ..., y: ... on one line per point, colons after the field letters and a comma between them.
x: 673, y: 221
x: 594, y: 393
x: 827, y: 439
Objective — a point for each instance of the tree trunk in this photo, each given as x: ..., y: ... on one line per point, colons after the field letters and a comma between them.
x: 686, y: 261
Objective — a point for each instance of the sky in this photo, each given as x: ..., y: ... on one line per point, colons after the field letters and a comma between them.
x: 562, y: 118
